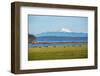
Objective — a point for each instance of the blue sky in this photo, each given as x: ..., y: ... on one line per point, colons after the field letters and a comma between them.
x: 38, y: 24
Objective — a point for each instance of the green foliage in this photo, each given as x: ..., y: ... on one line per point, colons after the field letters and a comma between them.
x: 31, y: 38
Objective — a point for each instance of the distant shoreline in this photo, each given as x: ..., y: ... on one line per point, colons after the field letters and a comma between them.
x: 57, y: 42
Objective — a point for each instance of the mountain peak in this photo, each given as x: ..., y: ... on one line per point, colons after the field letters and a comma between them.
x: 65, y: 30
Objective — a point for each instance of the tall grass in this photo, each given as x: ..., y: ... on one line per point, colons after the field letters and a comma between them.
x: 58, y: 52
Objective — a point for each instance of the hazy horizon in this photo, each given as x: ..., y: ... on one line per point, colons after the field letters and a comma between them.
x: 39, y: 24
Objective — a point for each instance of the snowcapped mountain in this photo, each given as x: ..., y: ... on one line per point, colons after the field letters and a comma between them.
x: 65, y: 30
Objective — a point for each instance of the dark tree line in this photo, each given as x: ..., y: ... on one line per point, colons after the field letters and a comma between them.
x: 31, y: 38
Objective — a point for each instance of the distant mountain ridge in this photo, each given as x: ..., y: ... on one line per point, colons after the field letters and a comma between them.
x: 63, y: 34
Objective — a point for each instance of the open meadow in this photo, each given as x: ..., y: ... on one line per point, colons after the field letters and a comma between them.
x: 58, y: 52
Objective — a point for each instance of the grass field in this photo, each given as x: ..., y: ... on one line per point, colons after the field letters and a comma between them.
x: 58, y: 52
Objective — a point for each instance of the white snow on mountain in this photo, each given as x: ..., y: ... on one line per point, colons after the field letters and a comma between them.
x: 65, y: 30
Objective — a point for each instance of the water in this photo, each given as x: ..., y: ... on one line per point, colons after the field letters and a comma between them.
x: 59, y: 39
x: 38, y: 45
x: 62, y: 39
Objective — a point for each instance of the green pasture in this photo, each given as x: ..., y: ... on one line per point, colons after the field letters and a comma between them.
x: 57, y: 52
